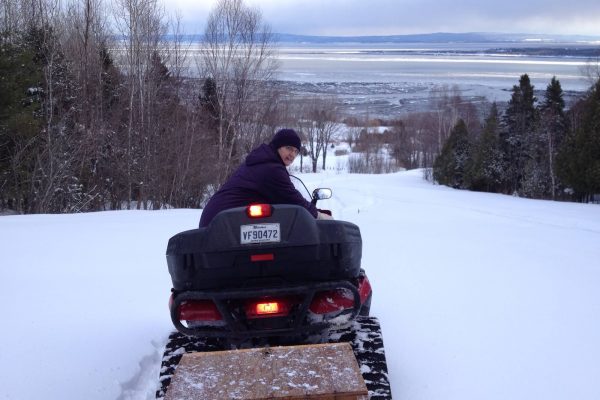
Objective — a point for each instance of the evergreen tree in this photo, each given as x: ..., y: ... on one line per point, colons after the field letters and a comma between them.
x: 451, y: 165
x: 578, y: 161
x: 535, y: 182
x: 488, y: 165
x: 20, y: 121
x: 553, y: 128
x: 519, y: 124
x: 211, y: 110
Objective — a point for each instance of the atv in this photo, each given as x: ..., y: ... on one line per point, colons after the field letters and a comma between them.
x: 268, y: 273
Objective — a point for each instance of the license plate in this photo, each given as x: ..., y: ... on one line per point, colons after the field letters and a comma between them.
x: 260, y: 233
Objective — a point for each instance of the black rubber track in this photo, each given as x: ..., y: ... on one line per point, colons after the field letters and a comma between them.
x: 364, y: 336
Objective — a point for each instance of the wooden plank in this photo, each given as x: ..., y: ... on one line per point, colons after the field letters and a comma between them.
x: 321, y: 371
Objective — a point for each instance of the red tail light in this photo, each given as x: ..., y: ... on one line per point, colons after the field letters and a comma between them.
x: 262, y: 257
x: 199, y: 310
x: 364, y: 288
x: 268, y: 308
x: 332, y: 301
x: 259, y: 210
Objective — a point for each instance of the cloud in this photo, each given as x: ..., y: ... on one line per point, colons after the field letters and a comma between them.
x: 360, y: 17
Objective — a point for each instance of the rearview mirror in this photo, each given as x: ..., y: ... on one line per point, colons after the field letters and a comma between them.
x: 321, y: 194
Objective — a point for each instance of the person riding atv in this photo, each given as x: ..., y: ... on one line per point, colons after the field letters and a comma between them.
x: 266, y: 268
x: 262, y: 178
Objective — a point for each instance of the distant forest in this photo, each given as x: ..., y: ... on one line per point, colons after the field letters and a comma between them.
x: 88, y: 122
x: 536, y: 148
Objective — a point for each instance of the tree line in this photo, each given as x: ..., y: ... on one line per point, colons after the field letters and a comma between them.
x: 535, y: 149
x: 98, y: 111
x: 90, y: 121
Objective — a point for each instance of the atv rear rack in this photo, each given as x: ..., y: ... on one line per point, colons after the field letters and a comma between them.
x: 236, y: 325
x: 363, y: 334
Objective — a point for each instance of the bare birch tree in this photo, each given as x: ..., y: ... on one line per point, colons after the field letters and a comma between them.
x: 55, y: 186
x: 141, y: 24
x: 317, y: 120
x: 11, y: 18
x: 328, y: 127
x: 238, y: 56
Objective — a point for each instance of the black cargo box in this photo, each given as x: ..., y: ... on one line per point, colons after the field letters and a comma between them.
x: 308, y: 250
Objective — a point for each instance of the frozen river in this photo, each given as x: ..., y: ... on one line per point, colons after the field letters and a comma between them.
x: 398, y: 78
x: 436, y: 63
x: 391, y: 79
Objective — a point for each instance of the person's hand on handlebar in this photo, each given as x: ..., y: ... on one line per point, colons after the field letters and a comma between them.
x: 324, y: 214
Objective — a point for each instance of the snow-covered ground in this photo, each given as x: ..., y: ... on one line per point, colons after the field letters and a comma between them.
x: 480, y: 296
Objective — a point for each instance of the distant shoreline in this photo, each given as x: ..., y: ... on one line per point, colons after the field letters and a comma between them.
x: 570, y: 51
x: 444, y: 37
x: 395, y: 101
x: 516, y: 39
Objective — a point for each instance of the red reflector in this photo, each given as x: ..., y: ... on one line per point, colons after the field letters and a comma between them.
x: 332, y: 301
x: 199, y: 310
x: 364, y: 288
x: 262, y: 257
x: 258, y: 210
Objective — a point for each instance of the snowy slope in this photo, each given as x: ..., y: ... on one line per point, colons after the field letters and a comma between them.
x: 479, y: 295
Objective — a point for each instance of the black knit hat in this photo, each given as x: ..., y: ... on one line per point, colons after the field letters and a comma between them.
x: 286, y: 137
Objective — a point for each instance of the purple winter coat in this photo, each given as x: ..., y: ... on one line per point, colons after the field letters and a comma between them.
x: 262, y: 178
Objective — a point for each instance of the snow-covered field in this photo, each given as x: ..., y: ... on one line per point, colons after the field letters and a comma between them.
x: 480, y: 296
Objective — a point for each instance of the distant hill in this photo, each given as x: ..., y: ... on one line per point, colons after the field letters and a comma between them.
x: 440, y: 37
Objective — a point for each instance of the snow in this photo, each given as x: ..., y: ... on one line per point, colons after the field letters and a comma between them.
x: 479, y: 295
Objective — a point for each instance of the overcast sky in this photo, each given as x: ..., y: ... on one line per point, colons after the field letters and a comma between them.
x: 388, y: 17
